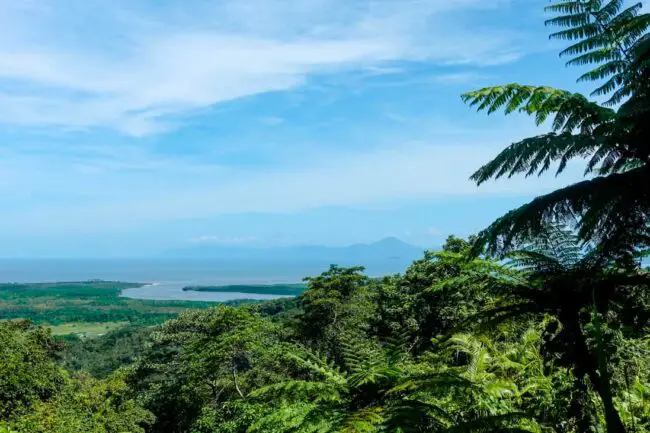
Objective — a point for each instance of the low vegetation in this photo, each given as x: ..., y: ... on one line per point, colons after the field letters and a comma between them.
x: 84, y: 304
x: 86, y: 330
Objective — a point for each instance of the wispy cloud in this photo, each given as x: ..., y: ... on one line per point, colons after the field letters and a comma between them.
x: 135, y: 68
x: 108, y: 193
x: 466, y: 77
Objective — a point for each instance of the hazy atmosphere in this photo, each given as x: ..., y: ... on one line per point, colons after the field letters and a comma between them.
x: 132, y: 127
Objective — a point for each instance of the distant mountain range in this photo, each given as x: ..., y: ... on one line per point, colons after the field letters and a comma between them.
x: 389, y: 249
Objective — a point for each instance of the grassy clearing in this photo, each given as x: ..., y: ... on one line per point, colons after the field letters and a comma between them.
x: 86, y: 330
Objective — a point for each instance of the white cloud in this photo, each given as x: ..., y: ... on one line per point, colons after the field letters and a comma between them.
x: 126, y: 66
x: 131, y: 189
x: 459, y: 78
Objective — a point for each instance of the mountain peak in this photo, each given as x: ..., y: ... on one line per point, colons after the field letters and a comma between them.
x: 391, y: 240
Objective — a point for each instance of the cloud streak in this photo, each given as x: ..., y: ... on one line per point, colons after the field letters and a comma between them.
x: 129, y: 67
x: 105, y: 193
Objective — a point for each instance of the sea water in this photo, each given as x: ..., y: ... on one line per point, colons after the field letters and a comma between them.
x: 165, y: 278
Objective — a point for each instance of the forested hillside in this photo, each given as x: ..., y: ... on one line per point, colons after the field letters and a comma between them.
x: 454, y: 344
x: 540, y: 323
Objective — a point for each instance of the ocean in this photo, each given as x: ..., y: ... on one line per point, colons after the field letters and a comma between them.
x: 166, y: 277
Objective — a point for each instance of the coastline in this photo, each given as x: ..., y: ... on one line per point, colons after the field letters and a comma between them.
x: 267, y: 289
x: 181, y: 291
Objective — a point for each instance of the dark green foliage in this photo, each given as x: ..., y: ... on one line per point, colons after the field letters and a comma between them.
x: 420, y: 305
x: 36, y: 396
x: 335, y: 307
x: 556, y: 277
x: 103, y: 355
x: 205, y: 359
x: 453, y: 344
x: 264, y: 289
x: 27, y: 371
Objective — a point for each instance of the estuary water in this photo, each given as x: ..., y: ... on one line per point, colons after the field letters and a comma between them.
x: 165, y: 278
x: 167, y: 291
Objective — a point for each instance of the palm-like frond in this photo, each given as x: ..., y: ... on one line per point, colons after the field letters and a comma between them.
x: 581, y: 129
x: 300, y: 390
x: 290, y: 417
x: 535, y: 155
x: 364, y: 420
x: 414, y: 416
x: 430, y: 382
x: 494, y: 423
x: 609, y: 209
x: 572, y: 110
x: 603, y: 33
x: 614, y: 209
x: 556, y: 250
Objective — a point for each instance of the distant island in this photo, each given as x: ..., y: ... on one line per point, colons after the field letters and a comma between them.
x: 264, y: 289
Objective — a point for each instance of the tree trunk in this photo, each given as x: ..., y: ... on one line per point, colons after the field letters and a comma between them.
x: 614, y: 422
x: 596, y: 369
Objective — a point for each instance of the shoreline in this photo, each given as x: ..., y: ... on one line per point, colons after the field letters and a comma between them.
x: 181, y: 291
x: 266, y: 289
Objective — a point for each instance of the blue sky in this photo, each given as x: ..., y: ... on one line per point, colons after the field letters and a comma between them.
x: 131, y: 127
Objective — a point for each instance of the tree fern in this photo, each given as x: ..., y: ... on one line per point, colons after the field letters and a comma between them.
x: 603, y: 33
x: 564, y: 278
x: 614, y: 208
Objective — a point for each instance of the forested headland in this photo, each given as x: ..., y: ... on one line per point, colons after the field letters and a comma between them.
x: 89, y: 302
x: 264, y: 289
x: 539, y: 323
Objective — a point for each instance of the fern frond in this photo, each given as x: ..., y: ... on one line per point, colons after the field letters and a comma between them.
x: 492, y: 423
x: 364, y: 420
x: 567, y: 7
x: 317, y: 365
x: 374, y: 372
x: 603, y: 33
x: 290, y: 417
x: 414, y: 416
x: 298, y: 390
x: 431, y: 381
x: 572, y: 110
x: 556, y: 250
x: 535, y: 155
x: 598, y: 208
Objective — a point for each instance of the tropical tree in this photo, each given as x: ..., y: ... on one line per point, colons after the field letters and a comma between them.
x: 322, y: 400
x: 386, y: 391
x: 336, y: 307
x: 556, y: 276
x: 201, y: 366
x: 87, y: 405
x: 613, y: 205
x: 37, y: 396
x: 417, y: 305
x: 28, y: 372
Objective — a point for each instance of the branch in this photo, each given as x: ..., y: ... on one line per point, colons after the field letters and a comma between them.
x: 234, y: 376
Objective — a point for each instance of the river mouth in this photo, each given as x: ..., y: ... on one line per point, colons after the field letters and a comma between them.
x: 173, y: 291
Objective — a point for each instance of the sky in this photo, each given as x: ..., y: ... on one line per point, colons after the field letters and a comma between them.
x: 128, y: 127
